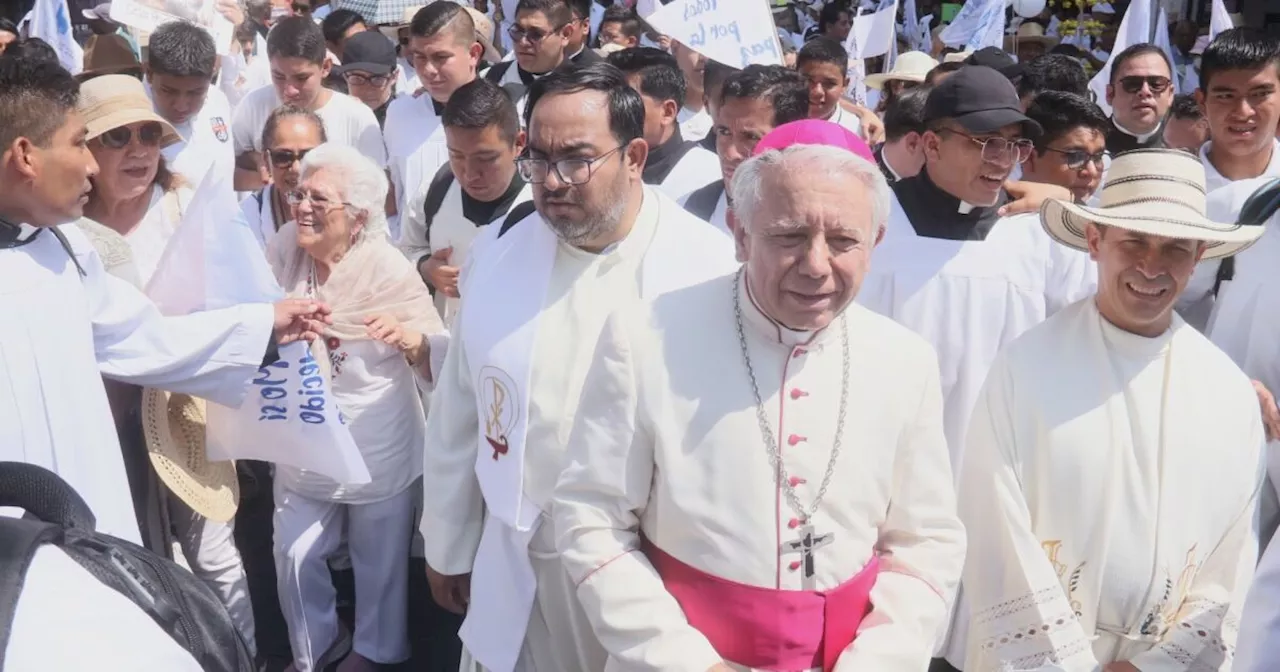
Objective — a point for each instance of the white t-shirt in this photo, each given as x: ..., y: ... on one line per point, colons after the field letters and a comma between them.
x: 148, y: 240
x: 68, y: 620
x: 347, y: 121
x: 239, y: 76
x: 206, y: 142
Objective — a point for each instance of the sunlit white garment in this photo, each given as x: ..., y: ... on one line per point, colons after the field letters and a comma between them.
x: 570, y: 291
x: 694, y: 125
x: 1098, y: 518
x: 148, y: 239
x: 719, y: 216
x: 406, y: 78
x: 1213, y: 180
x: 347, y: 121
x: 668, y: 407
x: 1259, y: 641
x: 57, y: 416
x: 206, y: 141
x: 847, y: 119
x: 697, y: 168
x: 416, y: 149
x: 258, y: 212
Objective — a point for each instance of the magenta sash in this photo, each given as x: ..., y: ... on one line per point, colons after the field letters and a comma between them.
x: 766, y: 628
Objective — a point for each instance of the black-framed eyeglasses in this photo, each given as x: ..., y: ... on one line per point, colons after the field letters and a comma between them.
x: 1078, y: 158
x: 283, y: 158
x: 149, y: 135
x: 295, y: 198
x: 300, y: 8
x: 534, y: 35
x: 363, y: 79
x: 568, y: 171
x: 1157, y: 83
x: 995, y: 150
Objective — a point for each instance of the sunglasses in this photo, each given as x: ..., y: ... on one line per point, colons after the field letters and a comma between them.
x: 149, y: 135
x: 283, y: 158
x: 361, y: 79
x: 1133, y: 83
x: 1077, y: 158
x: 301, y: 8
x: 534, y: 35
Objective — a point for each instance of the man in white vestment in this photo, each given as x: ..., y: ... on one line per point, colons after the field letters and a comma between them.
x: 1114, y: 459
x: 759, y: 444
x: 67, y: 322
x: 538, y: 287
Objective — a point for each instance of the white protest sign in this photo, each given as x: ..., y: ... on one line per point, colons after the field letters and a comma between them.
x: 874, y: 33
x: 736, y: 33
x: 147, y: 15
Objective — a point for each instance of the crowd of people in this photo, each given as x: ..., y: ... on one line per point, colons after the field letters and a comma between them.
x: 641, y: 350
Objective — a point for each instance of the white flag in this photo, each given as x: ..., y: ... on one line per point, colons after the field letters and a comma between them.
x: 51, y: 22
x: 736, y: 33
x: 978, y: 24
x: 290, y: 417
x: 1134, y: 29
x: 1219, y: 20
x: 1162, y: 41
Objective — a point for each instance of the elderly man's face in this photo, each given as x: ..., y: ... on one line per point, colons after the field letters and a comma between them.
x: 585, y: 205
x: 808, y: 245
x: 1140, y: 276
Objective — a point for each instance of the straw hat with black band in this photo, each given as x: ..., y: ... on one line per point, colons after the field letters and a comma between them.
x: 111, y: 101
x: 1159, y: 192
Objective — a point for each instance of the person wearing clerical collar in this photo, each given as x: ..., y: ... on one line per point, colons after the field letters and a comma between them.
x: 541, y: 33
x: 703, y: 567
x: 1186, y: 128
x: 621, y: 26
x: 901, y: 155
x: 369, y: 69
x: 695, y: 119
x: 576, y: 47
x: 1116, y: 385
x: 1073, y: 148
x: 825, y: 64
x: 753, y: 102
x: 675, y: 165
x: 1240, y: 94
x: 1139, y: 93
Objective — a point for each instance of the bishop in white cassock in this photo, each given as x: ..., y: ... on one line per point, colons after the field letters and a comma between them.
x: 758, y: 445
x: 67, y: 321
x: 1114, y: 459
x: 537, y: 290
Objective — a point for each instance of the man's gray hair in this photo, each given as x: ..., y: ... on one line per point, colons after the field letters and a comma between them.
x: 745, y: 191
x: 359, y: 181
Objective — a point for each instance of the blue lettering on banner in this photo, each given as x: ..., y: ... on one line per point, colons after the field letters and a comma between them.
x: 692, y: 9
x: 766, y: 46
x: 272, y: 390
x: 312, y: 392
x: 716, y: 31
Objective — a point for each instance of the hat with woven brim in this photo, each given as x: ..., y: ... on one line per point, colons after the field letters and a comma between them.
x: 912, y: 66
x: 173, y: 426
x: 1159, y: 192
x: 112, y: 101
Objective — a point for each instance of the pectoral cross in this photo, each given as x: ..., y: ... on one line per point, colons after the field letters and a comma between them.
x: 805, y: 546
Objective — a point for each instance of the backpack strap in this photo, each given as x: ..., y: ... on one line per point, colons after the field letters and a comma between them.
x: 517, y: 213
x: 19, y: 540
x: 702, y: 203
x: 1226, y: 273
x: 436, y: 193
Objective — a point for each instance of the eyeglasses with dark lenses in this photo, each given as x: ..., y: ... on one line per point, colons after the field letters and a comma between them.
x: 1133, y: 83
x: 568, y: 171
x: 534, y: 35
x: 361, y: 79
x: 301, y: 8
x: 283, y: 158
x: 1077, y: 158
x: 149, y: 135
x: 996, y: 150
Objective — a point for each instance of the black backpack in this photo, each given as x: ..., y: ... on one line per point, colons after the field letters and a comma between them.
x: 181, y: 604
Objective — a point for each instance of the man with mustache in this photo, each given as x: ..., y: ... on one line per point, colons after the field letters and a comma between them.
x: 538, y: 288
x: 1114, y: 461
x: 951, y: 268
x: 1140, y: 94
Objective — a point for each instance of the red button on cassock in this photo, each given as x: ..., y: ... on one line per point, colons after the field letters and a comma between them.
x: 794, y: 439
x: 796, y: 393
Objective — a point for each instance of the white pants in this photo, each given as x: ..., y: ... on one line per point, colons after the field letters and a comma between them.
x: 210, y: 549
x: 559, y: 638
x: 307, y: 533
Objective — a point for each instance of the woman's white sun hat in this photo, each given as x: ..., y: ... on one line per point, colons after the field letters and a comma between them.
x: 173, y: 427
x: 912, y: 66
x: 1159, y: 192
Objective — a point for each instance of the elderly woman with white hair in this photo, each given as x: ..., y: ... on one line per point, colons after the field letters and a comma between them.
x: 336, y: 250
x: 840, y: 511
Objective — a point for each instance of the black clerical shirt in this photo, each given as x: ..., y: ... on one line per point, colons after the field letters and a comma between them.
x: 664, y: 158
x: 482, y: 213
x: 934, y: 213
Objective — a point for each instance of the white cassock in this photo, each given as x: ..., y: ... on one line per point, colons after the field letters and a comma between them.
x: 678, y: 167
x: 499, y: 423
x: 62, y: 332
x: 670, y: 492
x: 416, y: 149
x: 1109, y: 489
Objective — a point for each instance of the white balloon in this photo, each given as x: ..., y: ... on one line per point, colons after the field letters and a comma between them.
x: 1028, y: 8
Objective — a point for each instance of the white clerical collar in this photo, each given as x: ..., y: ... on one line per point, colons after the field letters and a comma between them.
x: 25, y: 231
x: 754, y: 316
x: 1142, y: 137
x: 888, y: 165
x: 965, y: 208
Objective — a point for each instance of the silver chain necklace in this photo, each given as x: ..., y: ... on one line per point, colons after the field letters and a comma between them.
x: 766, y: 431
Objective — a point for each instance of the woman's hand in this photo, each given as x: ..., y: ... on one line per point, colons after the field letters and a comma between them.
x: 388, y: 329
x: 299, y: 319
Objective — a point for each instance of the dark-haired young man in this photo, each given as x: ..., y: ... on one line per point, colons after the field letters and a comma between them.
x: 620, y: 26
x: 752, y: 102
x: 1140, y: 93
x: 1051, y: 72
x: 675, y: 165
x: 541, y: 34
x: 477, y: 187
x: 1240, y: 95
x: 179, y: 78
x: 299, y: 65
x: 1071, y: 151
x: 594, y: 238
x: 445, y: 51
x: 577, y: 48
x: 902, y: 153
x: 1186, y: 128
x: 825, y: 64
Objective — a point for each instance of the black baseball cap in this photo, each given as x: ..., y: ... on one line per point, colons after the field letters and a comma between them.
x: 979, y: 99
x: 997, y: 59
x: 370, y: 52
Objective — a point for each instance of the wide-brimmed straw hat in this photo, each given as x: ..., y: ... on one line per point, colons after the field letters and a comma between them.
x: 1158, y: 192
x: 912, y: 66
x: 1029, y: 32
x: 173, y: 427
x: 112, y: 101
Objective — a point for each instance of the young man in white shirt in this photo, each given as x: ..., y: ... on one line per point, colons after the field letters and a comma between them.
x: 825, y: 64
x: 180, y: 69
x: 1240, y: 94
x: 299, y: 66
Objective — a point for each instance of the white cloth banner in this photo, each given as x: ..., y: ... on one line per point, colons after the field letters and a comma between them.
x: 873, y: 34
x: 1135, y: 28
x: 146, y: 17
x: 736, y: 33
x: 1162, y: 41
x: 214, y: 261
x: 1219, y: 20
x: 978, y: 24
x: 51, y: 22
